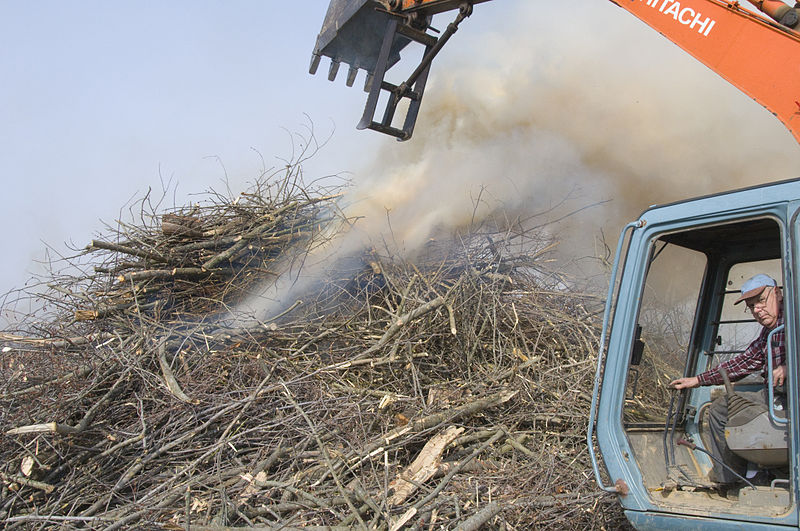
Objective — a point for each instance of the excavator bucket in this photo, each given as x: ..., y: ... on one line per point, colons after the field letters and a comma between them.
x: 353, y: 33
x: 366, y: 36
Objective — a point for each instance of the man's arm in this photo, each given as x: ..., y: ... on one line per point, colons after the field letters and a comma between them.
x: 689, y: 382
x: 749, y: 361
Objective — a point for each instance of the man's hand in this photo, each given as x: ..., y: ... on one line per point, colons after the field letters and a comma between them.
x: 689, y: 382
x: 779, y: 375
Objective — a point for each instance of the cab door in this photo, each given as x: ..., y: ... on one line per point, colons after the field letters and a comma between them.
x: 675, y: 316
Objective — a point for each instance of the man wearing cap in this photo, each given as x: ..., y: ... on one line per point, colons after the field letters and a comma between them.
x: 764, y: 299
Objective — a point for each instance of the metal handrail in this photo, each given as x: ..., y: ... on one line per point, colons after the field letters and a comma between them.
x: 600, y: 354
x: 770, y: 384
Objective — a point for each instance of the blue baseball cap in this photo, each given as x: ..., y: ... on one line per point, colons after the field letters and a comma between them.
x: 755, y: 285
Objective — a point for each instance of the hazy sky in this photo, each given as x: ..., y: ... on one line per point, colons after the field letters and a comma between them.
x: 101, y: 100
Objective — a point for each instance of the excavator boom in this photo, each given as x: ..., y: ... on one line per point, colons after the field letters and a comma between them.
x: 751, y: 52
x: 758, y: 54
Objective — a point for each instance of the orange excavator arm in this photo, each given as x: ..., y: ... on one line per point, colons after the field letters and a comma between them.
x: 759, y: 54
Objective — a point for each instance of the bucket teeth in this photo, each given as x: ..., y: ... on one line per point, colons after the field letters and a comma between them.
x: 351, y: 75
x: 312, y: 69
x: 353, y: 33
x: 334, y: 69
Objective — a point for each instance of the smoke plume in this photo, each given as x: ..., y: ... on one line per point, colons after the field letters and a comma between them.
x: 553, y: 109
x: 580, y: 102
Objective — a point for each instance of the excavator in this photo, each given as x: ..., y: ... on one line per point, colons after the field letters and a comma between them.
x: 676, y: 272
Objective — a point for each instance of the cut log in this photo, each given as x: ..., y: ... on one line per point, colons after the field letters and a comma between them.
x: 182, y: 226
x: 423, y: 467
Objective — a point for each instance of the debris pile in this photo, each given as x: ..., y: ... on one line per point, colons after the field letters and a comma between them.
x: 447, y: 391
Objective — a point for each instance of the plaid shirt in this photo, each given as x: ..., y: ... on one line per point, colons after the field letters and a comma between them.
x: 752, y: 359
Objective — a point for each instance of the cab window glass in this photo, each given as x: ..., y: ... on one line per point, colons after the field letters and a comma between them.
x: 667, y: 313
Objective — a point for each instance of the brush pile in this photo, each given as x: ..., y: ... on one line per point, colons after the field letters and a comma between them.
x: 447, y: 391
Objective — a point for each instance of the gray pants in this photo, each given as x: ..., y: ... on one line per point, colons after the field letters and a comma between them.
x: 717, y: 419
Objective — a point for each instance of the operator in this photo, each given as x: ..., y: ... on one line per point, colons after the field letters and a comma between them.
x: 764, y: 299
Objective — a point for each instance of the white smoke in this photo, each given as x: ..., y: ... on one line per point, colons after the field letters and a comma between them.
x: 577, y: 102
x: 586, y: 98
